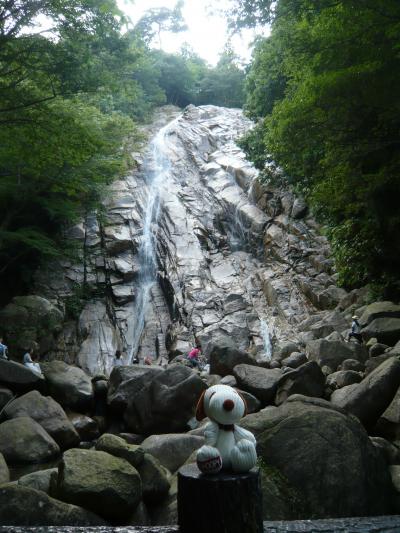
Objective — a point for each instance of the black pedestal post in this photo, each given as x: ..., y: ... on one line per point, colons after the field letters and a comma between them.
x: 221, y: 503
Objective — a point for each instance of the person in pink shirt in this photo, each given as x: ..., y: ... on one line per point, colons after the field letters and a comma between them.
x: 193, y: 356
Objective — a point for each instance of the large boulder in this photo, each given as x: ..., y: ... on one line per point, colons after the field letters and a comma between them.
x: 379, y: 310
x: 48, y: 413
x: 87, y: 428
x: 308, y: 380
x: 261, y: 382
x: 392, y: 413
x: 4, y: 472
x: 18, y: 377
x: 68, y: 384
x: 166, y: 403
x: 294, y: 360
x: 155, y: 480
x: 125, y: 381
x: 100, y: 482
x: 30, y: 320
x: 326, y: 456
x: 22, y: 440
x: 385, y: 330
x: 172, y: 449
x: 370, y: 398
x: 118, y: 447
x: 5, y: 396
x: 343, y: 378
x: 23, y: 506
x: 224, y: 355
x: 333, y: 353
x: 39, y: 480
x: 329, y: 323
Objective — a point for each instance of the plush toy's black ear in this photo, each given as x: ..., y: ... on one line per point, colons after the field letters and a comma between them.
x: 245, y: 403
x: 200, y: 413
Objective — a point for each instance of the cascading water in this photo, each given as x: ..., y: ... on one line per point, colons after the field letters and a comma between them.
x: 156, y: 179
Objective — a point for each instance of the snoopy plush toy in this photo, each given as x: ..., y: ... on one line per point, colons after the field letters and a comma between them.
x: 228, y: 446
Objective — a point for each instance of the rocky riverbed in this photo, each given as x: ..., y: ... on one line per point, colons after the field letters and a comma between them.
x: 190, y: 245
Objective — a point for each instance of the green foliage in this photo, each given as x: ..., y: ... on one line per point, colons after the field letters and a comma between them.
x: 326, y: 81
x: 224, y: 84
x: 161, y: 19
x: 57, y: 148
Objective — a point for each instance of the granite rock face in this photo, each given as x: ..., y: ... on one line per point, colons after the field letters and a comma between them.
x: 230, y: 256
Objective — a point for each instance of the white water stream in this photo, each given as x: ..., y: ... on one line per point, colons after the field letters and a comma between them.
x: 157, y: 178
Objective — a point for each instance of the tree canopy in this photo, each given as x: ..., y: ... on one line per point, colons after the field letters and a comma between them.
x: 325, y: 88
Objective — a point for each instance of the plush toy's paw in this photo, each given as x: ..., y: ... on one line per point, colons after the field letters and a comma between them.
x: 243, y: 456
x: 209, y: 460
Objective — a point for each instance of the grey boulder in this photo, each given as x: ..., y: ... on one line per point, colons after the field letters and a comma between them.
x: 261, y: 382
x: 166, y: 403
x: 172, y: 449
x: 308, y: 380
x: 39, y: 480
x: 4, y: 471
x: 155, y: 480
x: 23, y: 506
x: 383, y: 309
x: 22, y: 440
x: 46, y: 412
x: 68, y: 384
x: 224, y: 355
x: 333, y: 353
x: 125, y: 381
x: 100, y: 482
x: 18, y: 377
x: 326, y: 457
x: 370, y: 398
x: 342, y: 378
x: 385, y: 330
x: 118, y: 447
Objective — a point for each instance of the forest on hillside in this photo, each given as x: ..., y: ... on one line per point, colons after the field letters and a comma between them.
x: 323, y: 89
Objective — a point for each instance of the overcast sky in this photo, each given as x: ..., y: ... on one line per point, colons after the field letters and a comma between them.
x: 206, y: 34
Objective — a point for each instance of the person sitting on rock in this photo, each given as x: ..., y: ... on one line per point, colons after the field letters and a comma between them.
x: 355, y: 330
x: 148, y: 360
x: 3, y: 350
x: 193, y: 356
x: 29, y: 362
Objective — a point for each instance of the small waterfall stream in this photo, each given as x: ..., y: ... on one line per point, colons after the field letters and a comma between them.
x: 157, y: 174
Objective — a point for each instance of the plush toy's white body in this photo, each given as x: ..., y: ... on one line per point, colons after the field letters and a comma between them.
x: 234, y: 445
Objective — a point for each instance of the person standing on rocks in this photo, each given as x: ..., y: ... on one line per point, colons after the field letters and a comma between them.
x: 3, y: 350
x: 355, y: 330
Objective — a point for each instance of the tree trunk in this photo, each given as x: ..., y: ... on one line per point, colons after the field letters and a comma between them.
x: 221, y: 503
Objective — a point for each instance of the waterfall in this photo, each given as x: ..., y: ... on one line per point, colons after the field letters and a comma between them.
x: 266, y: 336
x: 157, y: 178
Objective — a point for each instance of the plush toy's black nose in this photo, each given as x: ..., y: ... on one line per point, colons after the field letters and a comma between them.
x: 228, y: 405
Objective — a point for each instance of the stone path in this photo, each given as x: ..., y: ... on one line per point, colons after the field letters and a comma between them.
x: 376, y: 524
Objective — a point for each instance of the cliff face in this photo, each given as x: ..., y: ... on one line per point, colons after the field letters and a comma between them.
x: 189, y: 245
